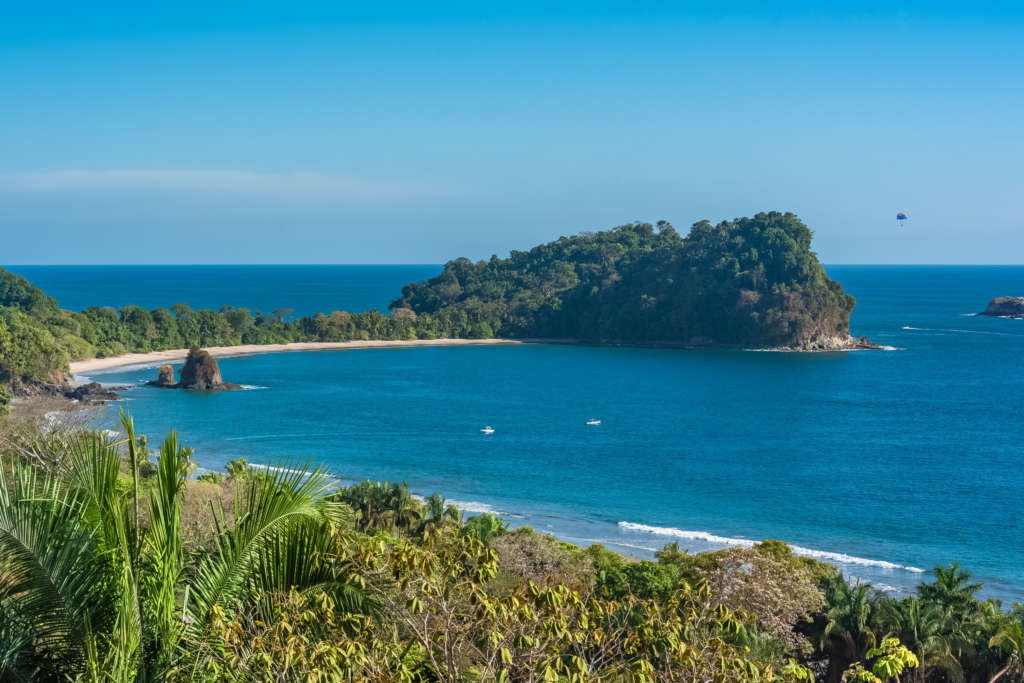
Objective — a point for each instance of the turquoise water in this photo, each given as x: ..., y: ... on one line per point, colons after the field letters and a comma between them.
x: 885, y: 462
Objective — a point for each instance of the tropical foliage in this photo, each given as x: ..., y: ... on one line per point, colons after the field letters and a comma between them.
x: 114, y: 571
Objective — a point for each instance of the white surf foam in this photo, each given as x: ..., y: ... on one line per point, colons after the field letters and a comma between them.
x: 117, y: 369
x: 277, y: 469
x: 690, y: 535
x: 930, y: 329
x: 472, y: 506
x: 250, y: 386
x: 840, y: 558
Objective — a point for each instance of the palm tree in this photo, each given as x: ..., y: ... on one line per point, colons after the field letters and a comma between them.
x: 81, y: 599
x: 402, y: 506
x: 924, y: 629
x: 847, y: 636
x: 485, y: 527
x: 238, y: 469
x: 1010, y: 638
x: 370, y: 499
x: 952, y: 589
x: 433, y: 508
x: 953, y: 592
x: 455, y: 514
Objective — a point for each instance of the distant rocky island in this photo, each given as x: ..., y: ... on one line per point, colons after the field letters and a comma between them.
x: 1005, y: 307
x: 200, y: 372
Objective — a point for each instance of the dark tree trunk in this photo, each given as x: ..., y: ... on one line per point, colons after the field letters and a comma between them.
x: 844, y: 652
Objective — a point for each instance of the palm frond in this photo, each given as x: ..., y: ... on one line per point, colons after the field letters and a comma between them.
x: 164, y: 552
x: 297, y: 556
x: 54, y: 590
x: 267, y: 504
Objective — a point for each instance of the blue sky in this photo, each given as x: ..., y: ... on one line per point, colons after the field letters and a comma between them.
x: 414, y: 133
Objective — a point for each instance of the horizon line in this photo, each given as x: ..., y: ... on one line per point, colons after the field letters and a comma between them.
x: 283, y: 265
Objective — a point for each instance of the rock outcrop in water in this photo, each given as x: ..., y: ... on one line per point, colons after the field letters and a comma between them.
x: 1005, y: 307
x: 94, y: 393
x: 164, y: 378
x: 200, y: 372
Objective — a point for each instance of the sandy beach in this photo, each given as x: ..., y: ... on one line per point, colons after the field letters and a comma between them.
x: 83, y: 367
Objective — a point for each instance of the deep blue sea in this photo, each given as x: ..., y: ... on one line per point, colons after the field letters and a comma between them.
x: 884, y: 462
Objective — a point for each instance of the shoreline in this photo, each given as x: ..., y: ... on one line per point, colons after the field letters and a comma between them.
x: 93, y: 364
x: 174, y: 355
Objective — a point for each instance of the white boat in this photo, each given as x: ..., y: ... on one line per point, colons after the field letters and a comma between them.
x: 592, y: 421
x: 487, y: 430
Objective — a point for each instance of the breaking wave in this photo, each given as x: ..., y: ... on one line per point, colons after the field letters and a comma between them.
x: 840, y: 558
x: 930, y: 329
x: 118, y: 369
x: 473, y: 506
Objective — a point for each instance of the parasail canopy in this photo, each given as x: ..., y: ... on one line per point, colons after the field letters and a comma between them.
x: 901, y: 216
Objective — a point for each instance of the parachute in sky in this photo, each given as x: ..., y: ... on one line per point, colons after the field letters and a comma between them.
x: 901, y: 216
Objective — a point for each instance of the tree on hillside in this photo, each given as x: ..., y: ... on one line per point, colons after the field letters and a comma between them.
x: 848, y: 635
x: 181, y: 310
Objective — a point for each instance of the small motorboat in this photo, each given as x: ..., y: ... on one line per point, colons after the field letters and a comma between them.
x: 592, y: 421
x: 487, y: 430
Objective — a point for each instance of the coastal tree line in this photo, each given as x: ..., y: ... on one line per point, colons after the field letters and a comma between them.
x: 38, y: 338
x: 118, y: 563
x: 752, y: 281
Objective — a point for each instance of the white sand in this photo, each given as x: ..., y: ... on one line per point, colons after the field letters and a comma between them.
x: 92, y: 364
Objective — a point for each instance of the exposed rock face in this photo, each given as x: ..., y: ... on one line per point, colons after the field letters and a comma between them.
x: 94, y: 393
x: 200, y: 372
x: 1005, y: 307
x: 164, y: 378
x: 55, y: 387
x: 838, y: 344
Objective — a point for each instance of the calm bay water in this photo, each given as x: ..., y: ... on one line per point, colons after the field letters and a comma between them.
x: 883, y: 462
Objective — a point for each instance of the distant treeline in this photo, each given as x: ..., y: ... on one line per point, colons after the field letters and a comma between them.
x: 37, y: 338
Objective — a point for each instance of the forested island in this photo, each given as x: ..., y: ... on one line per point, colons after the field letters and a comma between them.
x: 751, y: 282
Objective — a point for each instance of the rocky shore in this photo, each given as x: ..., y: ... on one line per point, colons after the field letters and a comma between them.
x: 95, y: 394
x: 92, y: 393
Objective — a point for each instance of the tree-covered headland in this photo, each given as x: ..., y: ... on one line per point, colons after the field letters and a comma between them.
x: 119, y: 569
x: 748, y: 282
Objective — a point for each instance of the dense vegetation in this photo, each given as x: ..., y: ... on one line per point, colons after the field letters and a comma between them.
x: 752, y: 281
x: 114, y: 568
x: 38, y: 339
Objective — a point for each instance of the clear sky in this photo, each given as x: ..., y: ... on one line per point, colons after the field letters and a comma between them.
x: 388, y: 132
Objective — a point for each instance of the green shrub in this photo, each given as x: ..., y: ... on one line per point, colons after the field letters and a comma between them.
x: 76, y: 347
x: 482, y: 331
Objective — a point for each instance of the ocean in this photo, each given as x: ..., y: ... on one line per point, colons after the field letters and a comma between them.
x: 885, y: 463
